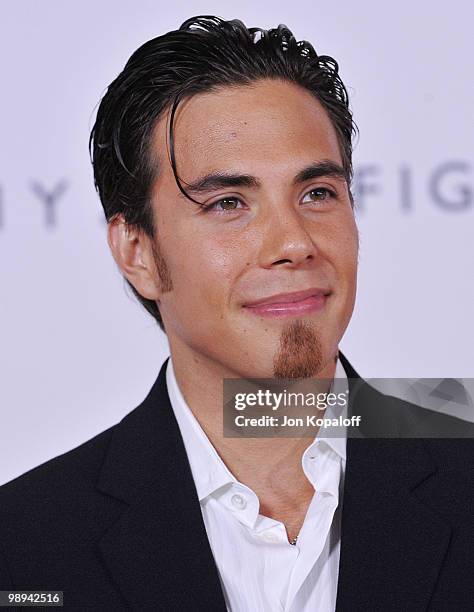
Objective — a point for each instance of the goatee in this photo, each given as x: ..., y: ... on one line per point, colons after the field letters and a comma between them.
x: 300, y: 352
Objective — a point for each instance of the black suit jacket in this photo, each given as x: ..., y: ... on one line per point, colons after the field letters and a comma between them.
x: 116, y: 523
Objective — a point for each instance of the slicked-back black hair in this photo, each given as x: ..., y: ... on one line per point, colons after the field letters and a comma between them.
x: 206, y: 53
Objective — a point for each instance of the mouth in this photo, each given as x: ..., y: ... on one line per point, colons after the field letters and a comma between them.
x: 290, y: 304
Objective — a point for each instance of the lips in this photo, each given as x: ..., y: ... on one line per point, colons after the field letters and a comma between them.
x: 288, y: 298
x: 296, y: 303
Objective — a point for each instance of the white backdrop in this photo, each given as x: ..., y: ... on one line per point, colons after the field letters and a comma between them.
x: 77, y: 352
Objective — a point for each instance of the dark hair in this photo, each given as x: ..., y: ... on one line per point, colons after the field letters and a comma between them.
x: 206, y: 53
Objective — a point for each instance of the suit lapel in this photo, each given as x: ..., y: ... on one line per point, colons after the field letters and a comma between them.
x: 392, y: 541
x: 157, y: 552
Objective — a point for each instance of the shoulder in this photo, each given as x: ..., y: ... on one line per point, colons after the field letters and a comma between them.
x: 447, y: 438
x: 62, y: 493
x: 384, y: 415
x: 53, y: 517
x: 74, y: 468
x: 392, y: 422
x: 56, y: 498
x: 420, y: 422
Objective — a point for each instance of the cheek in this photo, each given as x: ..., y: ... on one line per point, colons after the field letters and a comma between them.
x: 353, y: 251
x: 340, y: 244
x: 203, y: 272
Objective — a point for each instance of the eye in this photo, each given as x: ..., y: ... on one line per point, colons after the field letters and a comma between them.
x: 223, y: 205
x: 319, y: 194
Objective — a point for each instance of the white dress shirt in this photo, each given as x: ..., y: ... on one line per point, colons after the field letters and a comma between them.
x: 260, y: 571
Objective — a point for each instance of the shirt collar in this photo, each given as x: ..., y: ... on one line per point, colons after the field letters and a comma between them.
x: 335, y: 437
x: 209, y: 471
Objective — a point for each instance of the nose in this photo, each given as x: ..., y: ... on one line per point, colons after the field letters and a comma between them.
x: 286, y: 239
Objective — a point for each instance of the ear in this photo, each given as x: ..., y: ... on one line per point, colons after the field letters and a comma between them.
x: 132, y: 251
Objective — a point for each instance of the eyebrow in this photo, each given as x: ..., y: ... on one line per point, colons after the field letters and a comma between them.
x: 219, y: 180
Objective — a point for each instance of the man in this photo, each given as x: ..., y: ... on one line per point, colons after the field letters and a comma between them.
x: 222, y: 156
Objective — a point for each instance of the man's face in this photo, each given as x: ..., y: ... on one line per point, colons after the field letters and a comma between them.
x: 274, y: 227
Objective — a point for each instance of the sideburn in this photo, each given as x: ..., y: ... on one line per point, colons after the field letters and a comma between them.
x: 164, y: 275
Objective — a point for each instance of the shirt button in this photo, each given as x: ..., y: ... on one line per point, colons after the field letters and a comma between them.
x: 238, y: 502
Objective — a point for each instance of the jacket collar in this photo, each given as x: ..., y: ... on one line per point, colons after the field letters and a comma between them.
x: 393, y: 540
x: 392, y: 543
x: 157, y: 552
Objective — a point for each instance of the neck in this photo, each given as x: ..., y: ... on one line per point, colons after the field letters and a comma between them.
x: 270, y: 466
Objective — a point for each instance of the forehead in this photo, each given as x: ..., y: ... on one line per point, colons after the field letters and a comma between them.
x: 269, y: 126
